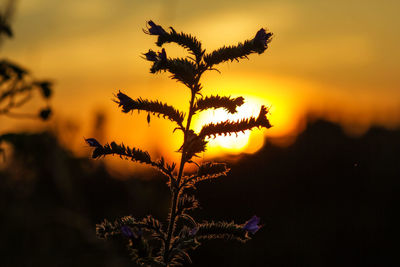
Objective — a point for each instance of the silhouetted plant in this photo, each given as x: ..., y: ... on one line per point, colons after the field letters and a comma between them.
x: 16, y: 89
x: 149, y: 242
x: 17, y: 85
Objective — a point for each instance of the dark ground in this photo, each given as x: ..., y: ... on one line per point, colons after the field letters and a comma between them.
x: 326, y: 200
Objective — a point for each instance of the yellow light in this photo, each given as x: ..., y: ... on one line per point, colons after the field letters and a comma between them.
x: 234, y: 143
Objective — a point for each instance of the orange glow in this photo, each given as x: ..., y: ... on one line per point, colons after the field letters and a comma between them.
x: 232, y: 144
x: 347, y: 76
x: 257, y: 90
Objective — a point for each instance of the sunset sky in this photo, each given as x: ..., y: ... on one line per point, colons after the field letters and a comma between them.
x: 337, y: 59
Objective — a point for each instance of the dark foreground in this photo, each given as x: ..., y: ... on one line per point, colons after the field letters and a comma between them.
x: 327, y: 200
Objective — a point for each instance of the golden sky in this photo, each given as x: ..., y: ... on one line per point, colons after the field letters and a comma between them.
x: 339, y: 59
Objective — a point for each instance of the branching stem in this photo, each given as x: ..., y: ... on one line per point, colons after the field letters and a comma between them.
x: 176, y: 191
x: 150, y: 243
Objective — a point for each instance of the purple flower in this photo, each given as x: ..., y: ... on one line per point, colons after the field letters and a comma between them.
x: 252, y: 225
x: 127, y: 232
x: 151, y: 55
x: 263, y: 37
x: 193, y: 231
x: 154, y: 29
x: 93, y: 142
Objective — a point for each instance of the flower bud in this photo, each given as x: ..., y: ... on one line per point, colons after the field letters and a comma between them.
x: 151, y: 55
x: 263, y: 37
x: 155, y: 29
x: 252, y: 225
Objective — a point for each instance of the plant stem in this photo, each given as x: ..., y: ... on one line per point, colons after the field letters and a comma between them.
x: 176, y: 193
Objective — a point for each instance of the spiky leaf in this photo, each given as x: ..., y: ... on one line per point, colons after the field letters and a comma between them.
x: 206, y: 171
x: 108, y: 229
x: 229, y: 53
x: 181, y: 69
x: 155, y: 107
x: 186, y: 203
x: 226, y: 102
x: 178, y: 257
x: 183, y: 242
x: 183, y: 39
x: 193, y: 145
x: 212, y: 168
x: 135, y: 232
x: 229, y: 127
x: 134, y: 154
x: 221, y: 230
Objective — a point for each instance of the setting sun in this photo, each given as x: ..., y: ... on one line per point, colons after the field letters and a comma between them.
x: 235, y: 143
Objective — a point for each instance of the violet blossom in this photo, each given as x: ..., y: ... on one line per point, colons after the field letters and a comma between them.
x: 126, y: 231
x: 193, y: 231
x: 252, y: 225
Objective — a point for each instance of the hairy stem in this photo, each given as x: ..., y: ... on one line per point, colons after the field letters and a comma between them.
x: 176, y: 193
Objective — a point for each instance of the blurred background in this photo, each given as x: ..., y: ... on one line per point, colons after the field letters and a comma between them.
x: 323, y: 179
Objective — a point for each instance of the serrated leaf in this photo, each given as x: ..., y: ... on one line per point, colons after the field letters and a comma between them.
x: 229, y: 53
x: 181, y: 70
x: 186, y: 203
x: 225, y: 102
x: 192, y: 145
x: 128, y: 104
x: 221, y: 230
x: 233, y: 127
x: 206, y: 171
x: 126, y: 152
x: 185, y: 40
